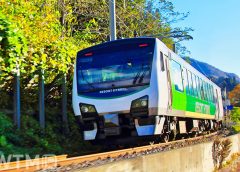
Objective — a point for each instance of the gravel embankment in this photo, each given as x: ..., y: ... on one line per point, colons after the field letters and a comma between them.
x: 160, y: 148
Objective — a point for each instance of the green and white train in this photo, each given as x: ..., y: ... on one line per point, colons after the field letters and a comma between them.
x: 139, y: 87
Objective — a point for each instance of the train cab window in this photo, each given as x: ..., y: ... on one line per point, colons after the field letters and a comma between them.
x: 176, y: 75
x: 162, y: 61
x: 190, y: 83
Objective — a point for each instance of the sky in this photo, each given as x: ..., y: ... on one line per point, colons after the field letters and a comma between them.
x: 216, y: 35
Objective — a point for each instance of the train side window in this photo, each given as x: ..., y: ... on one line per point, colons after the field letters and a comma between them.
x: 209, y: 93
x: 212, y: 96
x: 205, y: 91
x: 208, y: 96
x: 176, y: 75
x: 193, y: 92
x: 185, y: 80
x: 190, y: 83
x: 162, y: 62
x: 201, y: 89
x: 198, y: 88
x: 215, y: 95
x: 196, y: 81
x: 194, y: 84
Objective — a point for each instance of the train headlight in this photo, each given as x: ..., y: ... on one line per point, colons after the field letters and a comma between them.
x: 86, y: 108
x: 144, y: 103
x: 140, y: 103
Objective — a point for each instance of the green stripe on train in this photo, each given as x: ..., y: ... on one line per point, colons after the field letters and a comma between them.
x: 183, y: 101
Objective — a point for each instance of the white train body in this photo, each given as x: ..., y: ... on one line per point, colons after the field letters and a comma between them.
x: 111, y: 106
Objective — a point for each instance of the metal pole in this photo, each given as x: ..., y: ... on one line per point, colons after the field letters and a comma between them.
x: 174, y: 48
x: 64, y: 103
x: 112, y: 20
x: 17, y: 101
x: 41, y: 100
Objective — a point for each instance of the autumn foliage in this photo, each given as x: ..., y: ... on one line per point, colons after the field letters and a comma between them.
x: 234, y: 96
x: 41, y: 38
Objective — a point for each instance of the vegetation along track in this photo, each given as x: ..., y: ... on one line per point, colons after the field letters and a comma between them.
x: 62, y: 163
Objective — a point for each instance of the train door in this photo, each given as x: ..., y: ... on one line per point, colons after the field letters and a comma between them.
x: 217, y: 104
x: 177, y: 85
x: 168, y: 81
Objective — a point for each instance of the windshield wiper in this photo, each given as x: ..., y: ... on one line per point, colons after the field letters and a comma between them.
x: 143, y: 71
x: 143, y: 75
x: 137, y: 76
x: 89, y: 84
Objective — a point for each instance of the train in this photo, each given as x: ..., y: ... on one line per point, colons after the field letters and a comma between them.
x: 138, y: 87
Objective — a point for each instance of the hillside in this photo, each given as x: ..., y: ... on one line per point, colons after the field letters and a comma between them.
x: 221, y: 78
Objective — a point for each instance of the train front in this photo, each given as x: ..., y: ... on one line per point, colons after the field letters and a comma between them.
x: 112, y: 92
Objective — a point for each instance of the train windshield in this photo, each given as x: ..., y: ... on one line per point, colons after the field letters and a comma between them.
x: 115, y: 66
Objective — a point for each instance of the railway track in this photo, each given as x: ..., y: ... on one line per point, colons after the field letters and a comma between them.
x: 62, y: 163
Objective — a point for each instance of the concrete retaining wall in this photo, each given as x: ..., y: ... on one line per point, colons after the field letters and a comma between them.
x: 197, y: 158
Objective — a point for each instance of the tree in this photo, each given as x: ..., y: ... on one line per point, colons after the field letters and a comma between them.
x: 147, y: 18
x: 13, y: 48
x: 12, y: 54
x: 235, y: 114
x: 47, y: 49
x: 234, y: 96
x: 55, y: 30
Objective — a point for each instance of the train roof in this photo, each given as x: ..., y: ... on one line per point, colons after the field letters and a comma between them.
x: 143, y: 40
x: 187, y: 65
x: 118, y: 41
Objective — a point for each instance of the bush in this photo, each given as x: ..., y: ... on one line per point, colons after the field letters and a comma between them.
x: 221, y: 148
x: 31, y: 140
x: 235, y: 114
x: 236, y: 128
